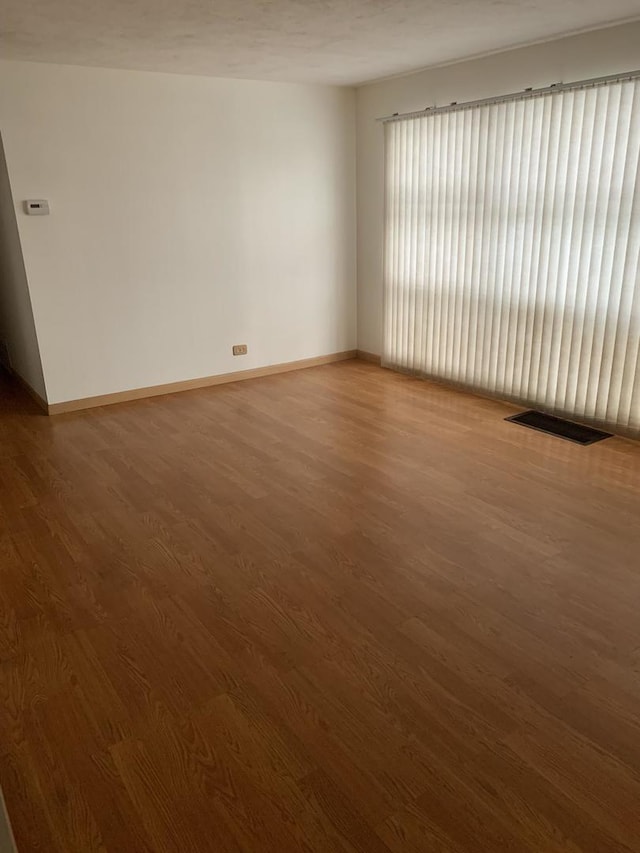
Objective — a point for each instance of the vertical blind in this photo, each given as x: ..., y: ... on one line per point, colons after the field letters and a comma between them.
x: 512, y: 246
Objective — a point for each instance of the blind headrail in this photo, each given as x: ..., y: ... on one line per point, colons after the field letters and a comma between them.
x: 525, y: 94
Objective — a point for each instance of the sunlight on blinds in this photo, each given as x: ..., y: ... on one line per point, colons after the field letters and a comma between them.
x: 512, y: 235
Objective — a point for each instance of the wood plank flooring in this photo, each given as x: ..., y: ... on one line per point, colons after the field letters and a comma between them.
x: 336, y: 610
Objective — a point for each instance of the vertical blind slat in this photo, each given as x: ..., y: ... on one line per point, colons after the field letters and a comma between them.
x: 512, y: 250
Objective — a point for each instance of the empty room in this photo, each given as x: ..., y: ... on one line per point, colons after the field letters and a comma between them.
x: 319, y: 424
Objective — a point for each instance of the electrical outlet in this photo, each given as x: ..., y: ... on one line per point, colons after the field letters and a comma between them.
x: 240, y: 349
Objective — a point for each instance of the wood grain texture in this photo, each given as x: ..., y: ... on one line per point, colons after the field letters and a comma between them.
x: 335, y: 610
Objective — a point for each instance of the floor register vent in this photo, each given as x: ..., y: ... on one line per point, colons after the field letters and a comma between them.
x: 558, y: 426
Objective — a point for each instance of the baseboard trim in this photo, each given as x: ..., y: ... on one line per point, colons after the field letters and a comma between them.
x: 192, y: 384
x: 363, y: 355
x: 37, y: 399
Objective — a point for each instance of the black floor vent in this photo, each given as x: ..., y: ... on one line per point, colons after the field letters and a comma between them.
x: 557, y: 426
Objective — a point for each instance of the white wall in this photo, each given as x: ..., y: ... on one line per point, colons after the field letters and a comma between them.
x: 577, y: 58
x: 187, y: 214
x: 17, y: 329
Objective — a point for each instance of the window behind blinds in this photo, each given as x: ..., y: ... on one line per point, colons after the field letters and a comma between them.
x: 512, y: 250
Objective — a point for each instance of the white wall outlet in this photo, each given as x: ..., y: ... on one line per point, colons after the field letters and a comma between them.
x: 36, y: 207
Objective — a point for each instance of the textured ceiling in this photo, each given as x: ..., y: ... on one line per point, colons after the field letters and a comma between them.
x: 316, y: 41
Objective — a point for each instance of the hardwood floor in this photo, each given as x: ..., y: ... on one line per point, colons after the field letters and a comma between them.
x: 336, y: 610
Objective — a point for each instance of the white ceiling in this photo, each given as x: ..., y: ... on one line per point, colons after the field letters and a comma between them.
x: 314, y: 41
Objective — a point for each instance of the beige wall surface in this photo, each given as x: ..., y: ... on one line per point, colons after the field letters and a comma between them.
x: 188, y: 214
x: 17, y: 329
